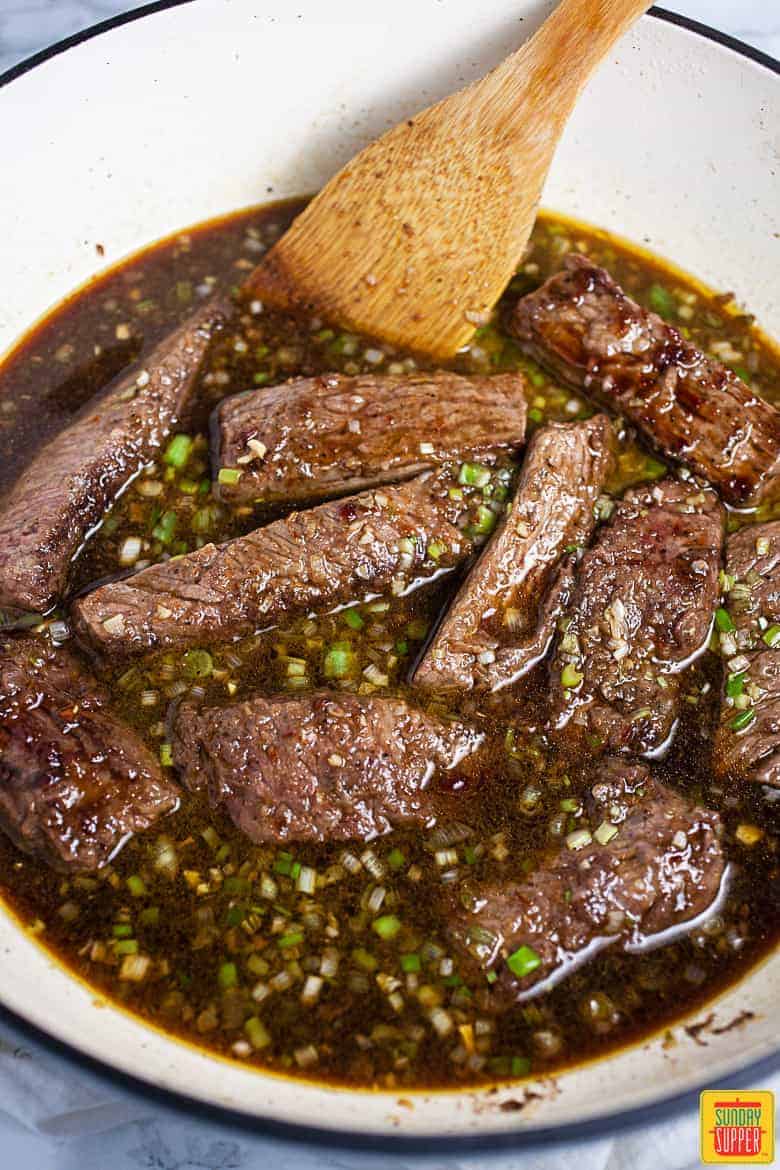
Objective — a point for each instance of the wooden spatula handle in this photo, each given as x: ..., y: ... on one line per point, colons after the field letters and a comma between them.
x: 553, y: 66
x: 415, y: 239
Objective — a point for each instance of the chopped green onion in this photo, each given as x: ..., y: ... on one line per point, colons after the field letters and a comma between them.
x: 387, y: 926
x: 229, y: 475
x: 474, y: 474
x: 198, y: 664
x: 744, y: 719
x: 735, y: 684
x: 410, y: 964
x: 227, y: 976
x: 166, y: 755
x: 470, y: 855
x: 283, y: 863
x: 523, y: 961
x: 654, y: 468
x: 772, y: 636
x: 605, y: 832
x: 261, y: 377
x: 235, y: 916
x: 723, y: 621
x: 520, y: 1066
x: 491, y: 976
x: 436, y: 549
x: 535, y: 414
x: 485, y: 522
x: 165, y: 528
x: 122, y: 930
x: 353, y: 619
x: 294, y: 939
x: 340, y: 661
x: 178, y: 451
x: 126, y: 946
x: 256, y: 1033
x: 395, y: 859
x: 136, y: 885
x: 233, y: 884
x: 571, y: 677
x: 661, y: 300
x: 402, y: 647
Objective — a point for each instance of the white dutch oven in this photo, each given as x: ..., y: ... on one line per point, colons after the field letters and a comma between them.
x: 199, y: 108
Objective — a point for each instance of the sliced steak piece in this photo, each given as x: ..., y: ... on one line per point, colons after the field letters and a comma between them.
x: 72, y: 481
x: 753, y: 600
x: 75, y: 782
x: 331, y: 435
x: 747, y: 742
x: 653, y: 863
x: 502, y: 620
x: 642, y: 608
x: 322, y: 767
x: 317, y: 559
x: 691, y: 408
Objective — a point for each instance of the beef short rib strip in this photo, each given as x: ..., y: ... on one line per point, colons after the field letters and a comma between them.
x: 747, y: 742
x: 642, y: 607
x: 647, y: 862
x: 75, y: 782
x: 691, y: 408
x: 501, y: 622
x: 76, y: 477
x: 312, y: 560
x: 321, y: 767
x: 332, y: 435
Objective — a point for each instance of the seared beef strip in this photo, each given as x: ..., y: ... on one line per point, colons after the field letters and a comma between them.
x: 501, y: 622
x: 317, y: 437
x: 642, y: 607
x: 311, y: 560
x: 75, y: 782
x: 74, y: 478
x: 747, y: 743
x: 322, y: 767
x: 693, y: 409
x: 647, y: 862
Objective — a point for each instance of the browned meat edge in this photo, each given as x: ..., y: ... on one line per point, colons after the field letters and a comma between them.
x: 642, y: 607
x: 693, y: 409
x: 659, y: 864
x: 503, y: 618
x: 320, y: 767
x: 332, y: 435
x: 312, y: 560
x: 75, y: 782
x: 75, y: 478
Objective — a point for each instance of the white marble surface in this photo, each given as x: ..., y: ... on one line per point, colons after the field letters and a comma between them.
x: 29, y: 25
x: 160, y: 1141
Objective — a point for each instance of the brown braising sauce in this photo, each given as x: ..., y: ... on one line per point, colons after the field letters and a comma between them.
x: 231, y: 929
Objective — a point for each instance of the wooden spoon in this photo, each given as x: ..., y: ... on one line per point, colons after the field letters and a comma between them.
x: 415, y: 239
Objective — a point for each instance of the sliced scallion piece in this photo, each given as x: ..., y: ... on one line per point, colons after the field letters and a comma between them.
x: 523, y: 961
x: 178, y: 451
x: 387, y: 926
x: 723, y: 621
x: 743, y: 720
x: 772, y: 636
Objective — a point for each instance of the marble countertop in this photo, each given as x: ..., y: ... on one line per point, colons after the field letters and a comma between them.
x: 29, y: 25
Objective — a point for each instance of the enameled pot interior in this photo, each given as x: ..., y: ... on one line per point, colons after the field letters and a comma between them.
x: 205, y: 107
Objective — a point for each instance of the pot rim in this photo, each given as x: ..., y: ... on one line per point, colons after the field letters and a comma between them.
x: 180, y: 1102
